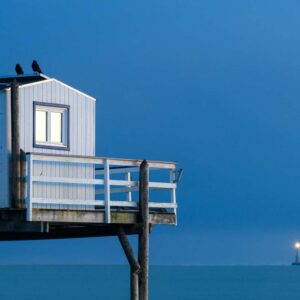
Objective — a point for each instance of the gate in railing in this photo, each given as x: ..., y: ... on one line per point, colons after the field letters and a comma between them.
x: 91, y: 183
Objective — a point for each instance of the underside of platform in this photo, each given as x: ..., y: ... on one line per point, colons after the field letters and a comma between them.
x: 58, y: 224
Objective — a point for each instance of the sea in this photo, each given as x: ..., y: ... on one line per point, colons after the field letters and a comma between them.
x: 93, y: 282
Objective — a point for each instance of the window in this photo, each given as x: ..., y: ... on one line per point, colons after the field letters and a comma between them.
x: 51, y: 126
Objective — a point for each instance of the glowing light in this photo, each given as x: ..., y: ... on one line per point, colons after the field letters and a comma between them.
x: 297, y: 245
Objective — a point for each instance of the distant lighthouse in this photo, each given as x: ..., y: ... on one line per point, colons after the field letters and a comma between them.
x: 297, y: 261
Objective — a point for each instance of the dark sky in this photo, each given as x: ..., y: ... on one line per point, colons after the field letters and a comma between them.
x: 214, y: 85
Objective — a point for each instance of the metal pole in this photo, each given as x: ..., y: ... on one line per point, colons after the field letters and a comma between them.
x: 134, y: 265
x: 144, y: 235
x: 15, y: 145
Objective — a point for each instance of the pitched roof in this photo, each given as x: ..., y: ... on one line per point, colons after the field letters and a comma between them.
x: 33, y: 79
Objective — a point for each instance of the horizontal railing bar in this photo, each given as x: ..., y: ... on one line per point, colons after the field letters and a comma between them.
x: 100, y: 160
x: 135, y: 204
x: 123, y: 169
x: 67, y: 159
x: 68, y: 180
x: 125, y: 190
x: 112, y: 168
x: 117, y: 190
x: 154, y: 184
x: 156, y: 165
x: 126, y: 183
x: 118, y: 171
x: 162, y: 185
x: 162, y: 205
x: 113, y: 203
x: 67, y: 201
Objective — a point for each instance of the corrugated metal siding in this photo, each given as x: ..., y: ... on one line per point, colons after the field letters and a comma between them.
x: 82, y: 139
x: 4, y: 152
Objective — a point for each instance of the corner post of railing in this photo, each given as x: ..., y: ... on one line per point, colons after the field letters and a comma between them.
x: 173, y: 191
x: 107, y: 190
x: 29, y: 188
x: 129, y: 194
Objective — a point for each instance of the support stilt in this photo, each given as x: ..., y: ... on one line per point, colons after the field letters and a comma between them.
x: 15, y: 145
x: 134, y: 265
x: 144, y: 235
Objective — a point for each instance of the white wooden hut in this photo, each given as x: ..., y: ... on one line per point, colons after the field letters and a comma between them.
x: 65, y: 181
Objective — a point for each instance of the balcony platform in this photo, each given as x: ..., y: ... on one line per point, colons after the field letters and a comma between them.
x: 69, y: 197
x: 70, y: 189
x: 56, y: 224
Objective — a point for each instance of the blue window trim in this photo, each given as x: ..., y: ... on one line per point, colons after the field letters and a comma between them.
x: 67, y: 107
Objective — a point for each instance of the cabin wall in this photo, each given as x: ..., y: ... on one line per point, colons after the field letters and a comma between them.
x: 82, y: 116
x: 4, y: 150
x: 81, y: 135
x: 82, y: 139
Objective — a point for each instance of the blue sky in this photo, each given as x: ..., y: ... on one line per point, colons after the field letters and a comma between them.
x: 214, y: 85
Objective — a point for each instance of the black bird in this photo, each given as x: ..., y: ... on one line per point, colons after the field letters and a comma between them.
x: 19, y: 69
x: 36, y: 67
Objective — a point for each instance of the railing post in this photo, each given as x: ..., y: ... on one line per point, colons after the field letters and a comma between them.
x: 29, y: 189
x: 107, y: 191
x: 173, y: 191
x: 129, y: 194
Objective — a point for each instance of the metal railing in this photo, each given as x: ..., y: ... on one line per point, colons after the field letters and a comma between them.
x: 95, y: 183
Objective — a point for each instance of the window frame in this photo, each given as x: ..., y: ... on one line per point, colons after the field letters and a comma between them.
x: 48, y: 145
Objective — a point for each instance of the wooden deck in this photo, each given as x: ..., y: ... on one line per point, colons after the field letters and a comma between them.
x: 98, y: 217
x: 95, y: 199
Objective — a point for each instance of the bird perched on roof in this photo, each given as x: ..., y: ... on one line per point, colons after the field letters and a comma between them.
x: 19, y: 69
x: 36, y: 67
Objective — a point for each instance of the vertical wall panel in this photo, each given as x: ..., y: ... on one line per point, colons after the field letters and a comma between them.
x: 82, y: 139
x: 4, y: 155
